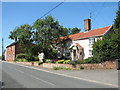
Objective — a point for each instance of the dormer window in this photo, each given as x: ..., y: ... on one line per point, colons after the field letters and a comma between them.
x: 91, y: 40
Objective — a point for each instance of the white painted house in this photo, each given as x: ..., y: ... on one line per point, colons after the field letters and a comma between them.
x: 79, y: 46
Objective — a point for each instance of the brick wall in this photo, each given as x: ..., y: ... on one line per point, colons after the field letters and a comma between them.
x: 105, y: 65
x: 10, y: 53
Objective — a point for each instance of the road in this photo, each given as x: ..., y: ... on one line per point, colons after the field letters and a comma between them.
x: 17, y: 76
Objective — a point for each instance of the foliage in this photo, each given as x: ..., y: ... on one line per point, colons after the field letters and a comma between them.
x: 20, y: 60
x: 24, y: 34
x: 36, y: 58
x: 60, y: 61
x: 109, y: 47
x: 21, y: 55
x: 62, y: 67
x: 48, y: 61
x: 81, y: 67
x: 75, y: 30
x: 91, y: 60
x: 66, y: 61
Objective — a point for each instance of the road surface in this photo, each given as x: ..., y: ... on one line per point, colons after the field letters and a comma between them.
x: 16, y: 76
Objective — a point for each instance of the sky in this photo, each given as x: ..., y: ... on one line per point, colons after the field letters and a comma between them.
x: 69, y: 14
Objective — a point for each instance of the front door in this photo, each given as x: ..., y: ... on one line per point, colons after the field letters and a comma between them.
x: 74, y: 54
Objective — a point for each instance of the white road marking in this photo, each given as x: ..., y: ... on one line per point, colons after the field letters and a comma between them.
x: 42, y: 80
x: 19, y: 71
x: 98, y: 82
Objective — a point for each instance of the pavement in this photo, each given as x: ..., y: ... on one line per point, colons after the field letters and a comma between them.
x: 21, y: 76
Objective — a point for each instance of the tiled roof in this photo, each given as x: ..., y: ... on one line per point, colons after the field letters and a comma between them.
x: 79, y: 45
x: 91, y: 33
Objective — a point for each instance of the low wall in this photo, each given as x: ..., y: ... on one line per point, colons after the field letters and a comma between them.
x: 105, y: 65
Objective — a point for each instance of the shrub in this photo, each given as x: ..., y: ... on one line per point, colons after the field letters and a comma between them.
x: 21, y: 55
x: 91, y: 60
x: 81, y: 67
x: 72, y: 62
x: 48, y: 61
x: 40, y: 63
x: 62, y: 67
x: 29, y: 58
x: 36, y: 58
x: 78, y: 62
x: 60, y: 61
x: 24, y: 60
x: 55, y: 68
x: 66, y: 61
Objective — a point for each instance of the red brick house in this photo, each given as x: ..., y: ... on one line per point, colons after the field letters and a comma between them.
x: 13, y: 49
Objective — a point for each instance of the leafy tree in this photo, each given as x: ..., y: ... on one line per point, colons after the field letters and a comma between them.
x: 109, y: 47
x: 47, y: 34
x: 24, y: 34
x: 75, y: 30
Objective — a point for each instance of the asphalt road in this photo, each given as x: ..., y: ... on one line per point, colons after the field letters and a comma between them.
x: 15, y: 76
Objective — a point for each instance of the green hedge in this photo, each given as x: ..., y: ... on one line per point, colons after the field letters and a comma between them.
x: 21, y: 55
x: 90, y: 60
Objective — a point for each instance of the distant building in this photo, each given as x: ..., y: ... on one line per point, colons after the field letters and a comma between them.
x: 79, y: 46
x: 13, y: 49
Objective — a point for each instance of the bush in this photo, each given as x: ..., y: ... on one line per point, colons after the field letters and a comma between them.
x: 78, y: 62
x: 91, y: 60
x: 81, y: 67
x: 29, y: 58
x: 21, y: 55
x: 48, y: 61
x: 36, y: 58
x: 60, y: 61
x: 66, y: 61
x: 61, y: 67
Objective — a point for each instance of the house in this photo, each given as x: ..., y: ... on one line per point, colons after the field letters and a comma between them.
x: 12, y: 50
x: 79, y: 46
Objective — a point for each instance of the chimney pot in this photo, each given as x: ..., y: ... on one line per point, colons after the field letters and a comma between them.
x: 87, y: 24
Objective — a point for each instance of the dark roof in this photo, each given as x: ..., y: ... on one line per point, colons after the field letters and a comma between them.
x: 14, y: 43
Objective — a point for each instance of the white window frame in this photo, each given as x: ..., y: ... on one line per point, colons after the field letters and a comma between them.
x: 91, y: 40
x: 90, y: 52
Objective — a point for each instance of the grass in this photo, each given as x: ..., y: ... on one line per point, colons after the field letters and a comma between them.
x: 62, y: 68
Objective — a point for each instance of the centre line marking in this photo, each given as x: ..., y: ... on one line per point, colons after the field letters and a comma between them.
x: 43, y: 80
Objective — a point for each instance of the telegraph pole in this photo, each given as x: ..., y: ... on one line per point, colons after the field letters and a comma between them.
x: 2, y: 48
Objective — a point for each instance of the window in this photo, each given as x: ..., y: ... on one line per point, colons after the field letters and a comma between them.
x: 90, y: 52
x: 67, y: 53
x: 12, y: 48
x: 67, y: 44
x: 80, y: 53
x: 91, y: 40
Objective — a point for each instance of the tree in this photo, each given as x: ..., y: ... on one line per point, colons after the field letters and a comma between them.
x: 47, y: 33
x: 75, y: 30
x: 24, y: 34
x: 109, y: 47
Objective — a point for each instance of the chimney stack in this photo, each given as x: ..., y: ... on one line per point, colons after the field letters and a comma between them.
x: 15, y: 39
x: 87, y: 24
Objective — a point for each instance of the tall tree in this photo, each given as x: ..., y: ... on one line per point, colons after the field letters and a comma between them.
x: 109, y: 47
x: 47, y: 30
x: 24, y: 35
x: 75, y: 30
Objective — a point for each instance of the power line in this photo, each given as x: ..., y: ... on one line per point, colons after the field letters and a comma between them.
x: 51, y: 10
